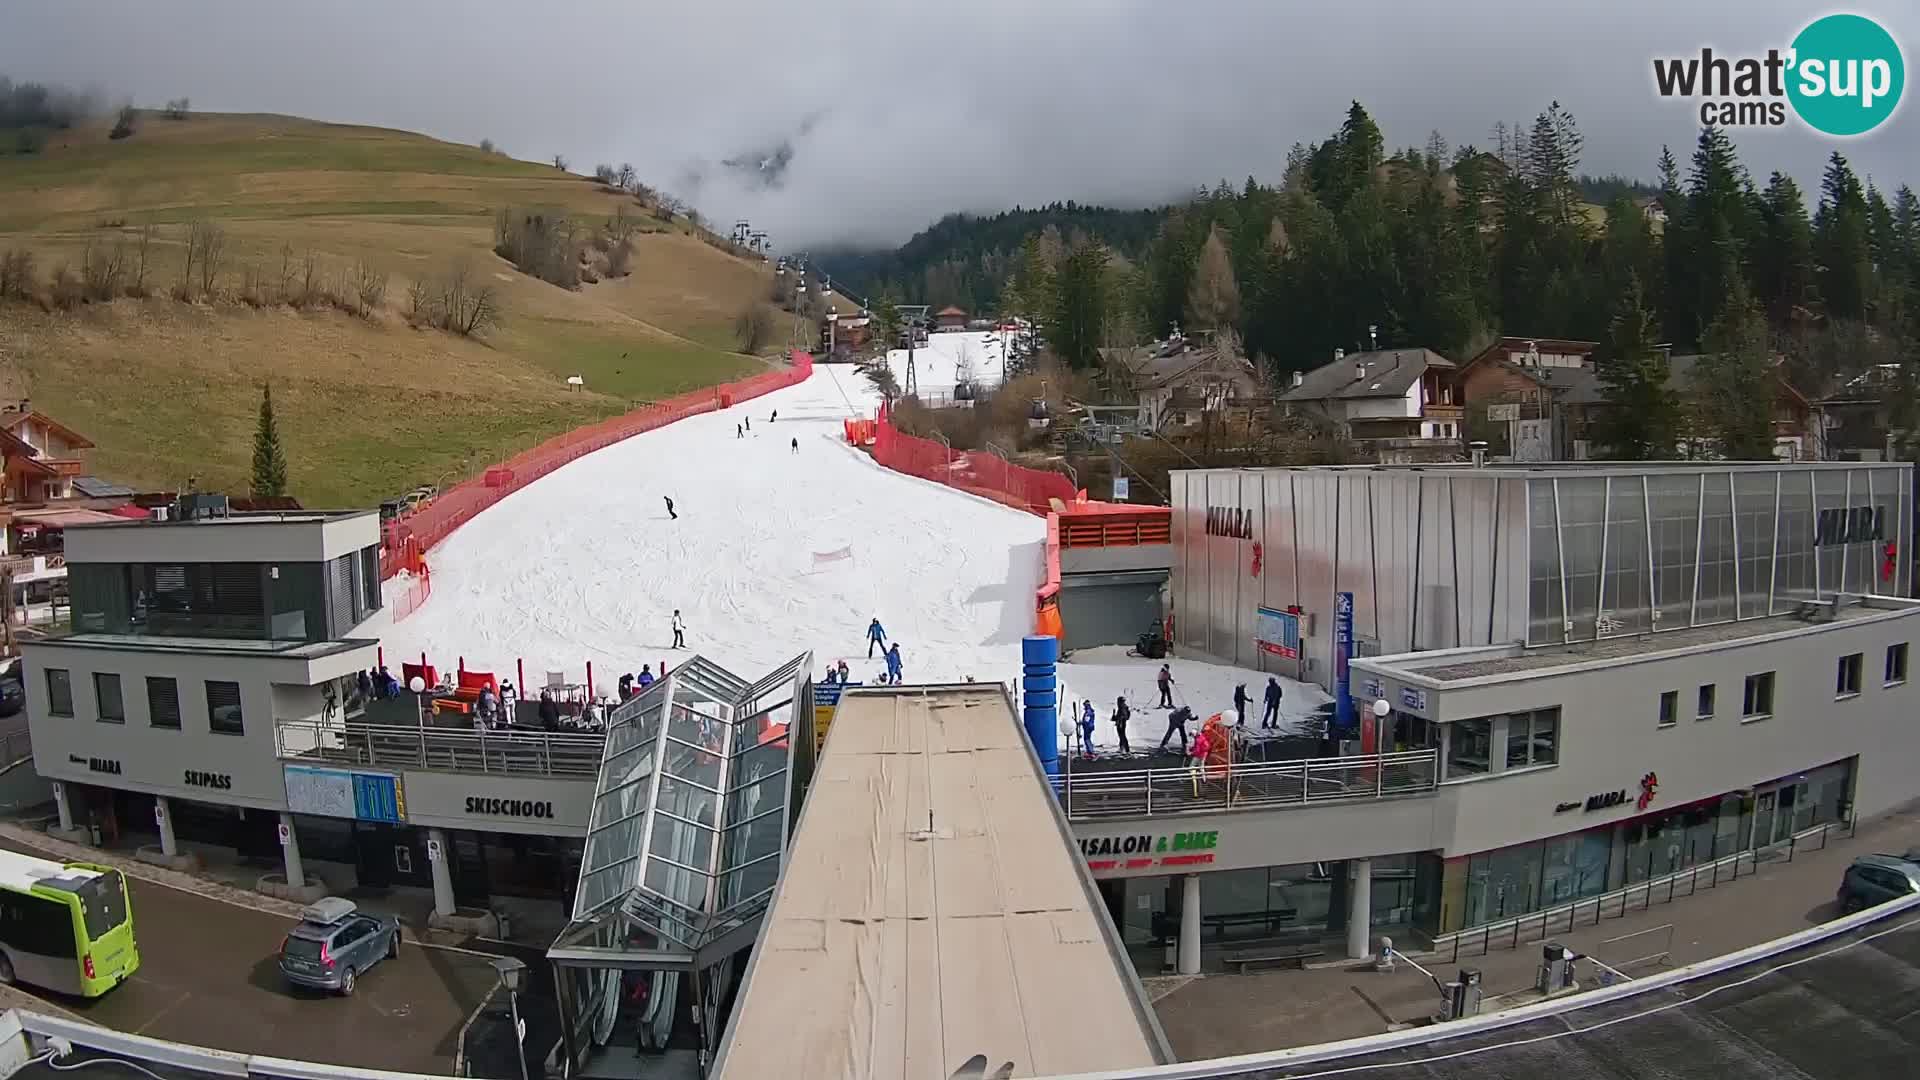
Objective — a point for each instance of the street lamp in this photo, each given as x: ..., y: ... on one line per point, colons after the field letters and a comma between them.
x: 512, y: 973
x: 419, y: 686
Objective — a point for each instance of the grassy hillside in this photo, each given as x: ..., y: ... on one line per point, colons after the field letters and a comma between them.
x: 369, y: 407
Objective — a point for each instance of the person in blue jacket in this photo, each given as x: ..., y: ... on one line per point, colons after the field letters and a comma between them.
x: 893, y: 663
x: 1086, y: 728
x: 875, y: 636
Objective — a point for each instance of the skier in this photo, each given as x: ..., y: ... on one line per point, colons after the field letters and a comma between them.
x: 646, y: 676
x: 670, y: 512
x: 749, y: 423
x: 775, y: 416
x: 1177, y: 721
x: 1240, y: 705
x: 1271, y: 718
x: 845, y: 673
x: 1197, y: 758
x: 1086, y: 727
x: 626, y: 686
x: 679, y: 630
x: 893, y: 663
x: 549, y: 711
x: 1121, y: 714
x: 739, y: 432
x: 1166, y: 687
x: 875, y: 636
x: 796, y: 446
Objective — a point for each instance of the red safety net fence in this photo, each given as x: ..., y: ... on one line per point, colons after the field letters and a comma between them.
x: 978, y: 471
x: 422, y: 530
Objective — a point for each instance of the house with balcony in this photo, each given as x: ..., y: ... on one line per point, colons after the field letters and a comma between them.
x: 1176, y: 383
x: 1399, y: 404
x: 1533, y: 399
x: 43, y: 456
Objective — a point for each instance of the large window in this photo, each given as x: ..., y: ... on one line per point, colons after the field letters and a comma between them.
x: 1896, y: 670
x: 163, y: 702
x: 59, y: 692
x: 1704, y: 709
x: 106, y: 694
x: 1758, y: 702
x: 223, y: 709
x: 1533, y: 738
x: 201, y: 599
x: 1669, y: 708
x: 1846, y: 679
x: 1469, y: 747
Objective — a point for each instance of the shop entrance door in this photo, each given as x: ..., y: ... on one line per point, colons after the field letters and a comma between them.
x: 1762, y: 820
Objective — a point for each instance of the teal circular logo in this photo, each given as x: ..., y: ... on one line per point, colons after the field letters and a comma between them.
x: 1847, y: 75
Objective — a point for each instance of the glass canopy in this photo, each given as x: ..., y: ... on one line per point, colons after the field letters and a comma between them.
x: 690, y: 813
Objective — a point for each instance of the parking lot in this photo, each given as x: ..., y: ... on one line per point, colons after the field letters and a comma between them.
x: 209, y: 975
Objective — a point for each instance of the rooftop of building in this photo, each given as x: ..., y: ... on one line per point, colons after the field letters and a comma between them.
x: 1515, y: 661
x: 1381, y: 373
x: 238, y: 517
x: 1547, y: 470
x: 1825, y: 1007
x: 201, y: 646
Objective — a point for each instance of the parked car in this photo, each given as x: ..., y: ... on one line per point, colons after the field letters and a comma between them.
x: 1876, y: 879
x: 335, y: 943
x: 13, y: 693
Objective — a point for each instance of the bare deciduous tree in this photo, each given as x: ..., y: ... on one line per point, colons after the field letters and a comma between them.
x: 560, y: 162
x: 103, y: 268
x: 66, y: 289
x: 284, y: 292
x: 1213, y: 300
x: 310, y: 283
x: 753, y: 327
x: 620, y: 258
x: 16, y: 275
x: 486, y: 146
x: 142, y: 251
x: 125, y: 122
x: 369, y: 288
x: 625, y: 178
x: 206, y: 248
x: 178, y: 108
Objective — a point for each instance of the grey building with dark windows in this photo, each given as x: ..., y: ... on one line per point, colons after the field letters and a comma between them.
x: 1568, y: 679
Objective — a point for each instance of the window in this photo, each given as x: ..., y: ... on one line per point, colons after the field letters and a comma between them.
x: 1846, y: 680
x: 59, y: 692
x: 1533, y: 738
x: 1896, y: 664
x: 106, y: 694
x: 1704, y: 711
x: 1669, y: 708
x: 1758, y: 702
x: 163, y: 702
x: 223, y: 709
x: 1469, y: 747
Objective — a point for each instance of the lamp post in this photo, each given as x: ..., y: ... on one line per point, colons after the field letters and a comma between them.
x: 419, y: 686
x: 512, y: 973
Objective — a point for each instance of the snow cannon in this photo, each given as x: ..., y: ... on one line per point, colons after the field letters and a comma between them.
x: 1040, y: 691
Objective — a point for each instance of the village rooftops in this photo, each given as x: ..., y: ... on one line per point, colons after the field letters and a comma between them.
x: 1383, y: 373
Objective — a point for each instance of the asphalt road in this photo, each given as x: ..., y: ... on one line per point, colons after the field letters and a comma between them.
x: 209, y: 976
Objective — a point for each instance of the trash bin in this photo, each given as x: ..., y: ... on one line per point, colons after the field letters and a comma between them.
x: 506, y: 927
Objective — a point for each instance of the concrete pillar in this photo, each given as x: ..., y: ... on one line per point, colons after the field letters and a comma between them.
x: 290, y: 847
x: 1360, y: 908
x: 163, y: 817
x: 1190, y: 925
x: 63, y: 802
x: 442, y: 872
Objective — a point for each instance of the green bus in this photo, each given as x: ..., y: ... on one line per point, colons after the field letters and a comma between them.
x: 66, y: 927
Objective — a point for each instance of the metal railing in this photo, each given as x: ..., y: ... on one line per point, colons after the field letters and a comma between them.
x: 1262, y: 784
x: 512, y: 752
x: 1563, y: 919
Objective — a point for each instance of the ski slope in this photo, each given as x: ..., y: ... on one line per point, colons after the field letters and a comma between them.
x: 939, y: 363
x: 775, y: 551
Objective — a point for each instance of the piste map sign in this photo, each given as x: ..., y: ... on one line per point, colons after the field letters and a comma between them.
x: 1144, y: 851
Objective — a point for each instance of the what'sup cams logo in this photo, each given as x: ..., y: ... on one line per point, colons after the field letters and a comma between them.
x: 1842, y: 75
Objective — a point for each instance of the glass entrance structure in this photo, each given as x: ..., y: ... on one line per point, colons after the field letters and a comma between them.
x: 702, y: 775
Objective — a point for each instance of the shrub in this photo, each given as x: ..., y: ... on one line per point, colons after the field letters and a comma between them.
x: 16, y: 275
x: 66, y: 290
x: 541, y: 244
x: 486, y: 146
x: 620, y: 259
x: 124, y: 124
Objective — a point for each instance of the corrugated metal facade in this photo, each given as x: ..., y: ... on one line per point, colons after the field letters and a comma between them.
x: 1439, y: 557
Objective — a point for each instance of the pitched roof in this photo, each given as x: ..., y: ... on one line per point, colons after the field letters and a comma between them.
x: 1389, y: 372
x: 95, y: 488
x: 949, y: 310
x: 13, y: 420
x: 1682, y: 369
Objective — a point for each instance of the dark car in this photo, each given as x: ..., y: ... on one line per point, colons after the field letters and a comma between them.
x: 335, y: 944
x: 13, y: 696
x: 1876, y: 879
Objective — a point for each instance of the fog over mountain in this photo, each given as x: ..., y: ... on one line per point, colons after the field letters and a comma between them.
x: 863, y: 120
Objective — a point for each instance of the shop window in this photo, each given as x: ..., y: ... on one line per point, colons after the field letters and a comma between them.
x: 1846, y: 680
x: 1704, y: 710
x: 1469, y: 747
x: 1533, y: 738
x: 1758, y: 702
x: 1896, y: 664
x: 59, y: 692
x: 163, y: 702
x: 223, y: 709
x: 106, y: 695
x: 1669, y: 708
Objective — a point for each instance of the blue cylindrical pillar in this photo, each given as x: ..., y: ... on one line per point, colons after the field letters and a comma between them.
x: 1039, y: 654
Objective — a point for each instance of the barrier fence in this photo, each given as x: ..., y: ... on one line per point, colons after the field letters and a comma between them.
x: 977, y: 471
x: 459, y: 504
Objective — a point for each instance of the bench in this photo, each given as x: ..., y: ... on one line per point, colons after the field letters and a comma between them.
x: 1297, y: 957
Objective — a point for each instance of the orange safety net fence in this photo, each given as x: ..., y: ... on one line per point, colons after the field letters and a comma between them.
x: 977, y: 471
x: 422, y: 530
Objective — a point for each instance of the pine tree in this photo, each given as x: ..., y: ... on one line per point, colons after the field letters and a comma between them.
x: 1718, y: 225
x: 1734, y: 383
x: 1079, y: 304
x: 1641, y: 421
x: 1783, y: 258
x: 1213, y: 299
x: 269, y: 462
x: 1841, y: 241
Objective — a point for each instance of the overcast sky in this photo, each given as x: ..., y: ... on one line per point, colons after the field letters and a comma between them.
x: 901, y: 112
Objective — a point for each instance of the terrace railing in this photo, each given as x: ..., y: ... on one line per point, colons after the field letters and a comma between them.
x: 515, y: 752
x: 1274, y: 784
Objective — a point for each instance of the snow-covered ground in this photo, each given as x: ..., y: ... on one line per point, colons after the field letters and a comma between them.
x: 939, y: 363
x: 775, y: 551
x: 1107, y: 673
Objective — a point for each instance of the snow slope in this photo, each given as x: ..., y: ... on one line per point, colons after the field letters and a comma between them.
x: 938, y: 363
x: 1106, y: 673
x: 774, y: 552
